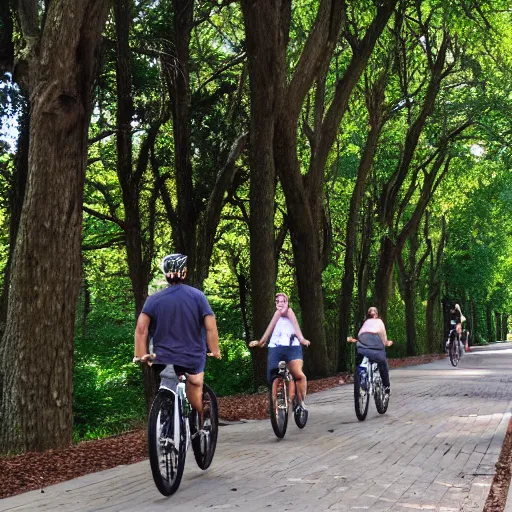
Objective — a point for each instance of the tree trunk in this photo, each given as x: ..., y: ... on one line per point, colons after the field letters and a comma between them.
x: 497, y: 318
x: 434, y: 293
x: 263, y: 21
x: 384, y: 277
x: 36, y: 358
x: 365, y: 165
x: 488, y: 322
x: 306, y: 249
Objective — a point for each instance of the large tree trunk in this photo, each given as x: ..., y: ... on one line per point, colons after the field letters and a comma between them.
x: 263, y: 22
x: 36, y: 358
x: 177, y: 72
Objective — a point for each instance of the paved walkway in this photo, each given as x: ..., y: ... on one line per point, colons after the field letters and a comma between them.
x: 435, y: 449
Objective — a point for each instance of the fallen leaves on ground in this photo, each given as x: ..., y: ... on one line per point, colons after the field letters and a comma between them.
x: 38, y: 470
x: 497, y: 497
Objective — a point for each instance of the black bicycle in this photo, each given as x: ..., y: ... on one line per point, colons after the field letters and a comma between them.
x: 173, y: 425
x: 279, y: 402
x: 454, y: 349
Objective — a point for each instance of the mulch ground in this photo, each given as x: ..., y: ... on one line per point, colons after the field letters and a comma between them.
x: 497, y: 497
x: 38, y: 470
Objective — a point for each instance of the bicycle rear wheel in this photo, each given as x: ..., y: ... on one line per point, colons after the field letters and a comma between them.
x: 380, y: 397
x: 204, y: 441
x: 278, y: 402
x: 361, y: 397
x: 167, y: 460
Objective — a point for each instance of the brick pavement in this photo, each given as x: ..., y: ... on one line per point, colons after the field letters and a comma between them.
x: 435, y: 449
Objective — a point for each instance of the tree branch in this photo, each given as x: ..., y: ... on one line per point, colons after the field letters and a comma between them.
x: 102, y: 216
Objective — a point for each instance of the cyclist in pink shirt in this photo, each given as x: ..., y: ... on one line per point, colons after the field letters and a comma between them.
x: 372, y: 341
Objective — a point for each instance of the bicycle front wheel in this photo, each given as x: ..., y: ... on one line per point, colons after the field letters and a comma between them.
x: 278, y: 401
x: 454, y: 352
x: 204, y: 440
x: 167, y: 460
x: 361, y: 397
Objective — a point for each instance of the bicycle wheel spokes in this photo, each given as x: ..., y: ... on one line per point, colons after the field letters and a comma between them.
x: 454, y: 350
x: 380, y: 397
x: 167, y: 460
x: 278, y: 399
x: 361, y: 397
x: 204, y: 439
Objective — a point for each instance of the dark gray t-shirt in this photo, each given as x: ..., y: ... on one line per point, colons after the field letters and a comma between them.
x: 177, y: 325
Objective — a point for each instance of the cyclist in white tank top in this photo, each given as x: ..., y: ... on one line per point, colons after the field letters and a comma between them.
x: 285, y: 340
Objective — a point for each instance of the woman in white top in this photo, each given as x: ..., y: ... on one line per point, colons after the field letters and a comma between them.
x: 284, y: 344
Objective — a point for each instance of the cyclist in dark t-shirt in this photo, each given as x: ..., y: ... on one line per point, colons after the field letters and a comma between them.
x: 182, y: 325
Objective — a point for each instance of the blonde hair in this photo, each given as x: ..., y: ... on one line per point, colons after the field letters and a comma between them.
x: 281, y: 294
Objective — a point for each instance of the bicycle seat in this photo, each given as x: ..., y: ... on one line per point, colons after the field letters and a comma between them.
x: 168, y: 377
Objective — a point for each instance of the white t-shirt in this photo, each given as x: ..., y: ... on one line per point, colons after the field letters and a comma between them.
x: 281, y: 334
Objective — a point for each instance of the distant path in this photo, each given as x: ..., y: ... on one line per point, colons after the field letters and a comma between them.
x: 435, y: 449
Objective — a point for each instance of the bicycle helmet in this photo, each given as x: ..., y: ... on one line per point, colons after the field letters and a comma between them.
x: 174, y: 267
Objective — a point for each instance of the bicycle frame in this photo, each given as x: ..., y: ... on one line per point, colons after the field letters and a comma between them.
x: 284, y: 372
x: 370, y: 372
x: 176, y: 385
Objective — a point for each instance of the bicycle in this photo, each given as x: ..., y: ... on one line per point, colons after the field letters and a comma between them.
x: 169, y: 431
x: 454, y: 350
x: 368, y: 382
x: 279, y: 402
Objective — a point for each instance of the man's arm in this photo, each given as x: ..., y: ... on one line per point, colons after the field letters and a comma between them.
x: 141, y: 335
x: 212, y: 335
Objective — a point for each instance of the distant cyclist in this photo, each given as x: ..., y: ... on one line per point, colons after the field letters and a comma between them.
x: 181, y: 323
x: 372, y: 341
x: 284, y: 344
x: 456, y: 321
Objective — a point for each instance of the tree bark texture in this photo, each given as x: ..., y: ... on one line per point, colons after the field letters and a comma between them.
x: 266, y: 27
x: 36, y: 356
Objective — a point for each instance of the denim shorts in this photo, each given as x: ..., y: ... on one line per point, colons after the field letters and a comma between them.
x: 281, y: 353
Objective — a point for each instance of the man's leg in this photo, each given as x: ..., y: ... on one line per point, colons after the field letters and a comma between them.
x: 295, y: 367
x: 195, y: 391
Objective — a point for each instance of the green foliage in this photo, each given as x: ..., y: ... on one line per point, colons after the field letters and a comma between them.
x: 233, y: 373
x: 108, y: 394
